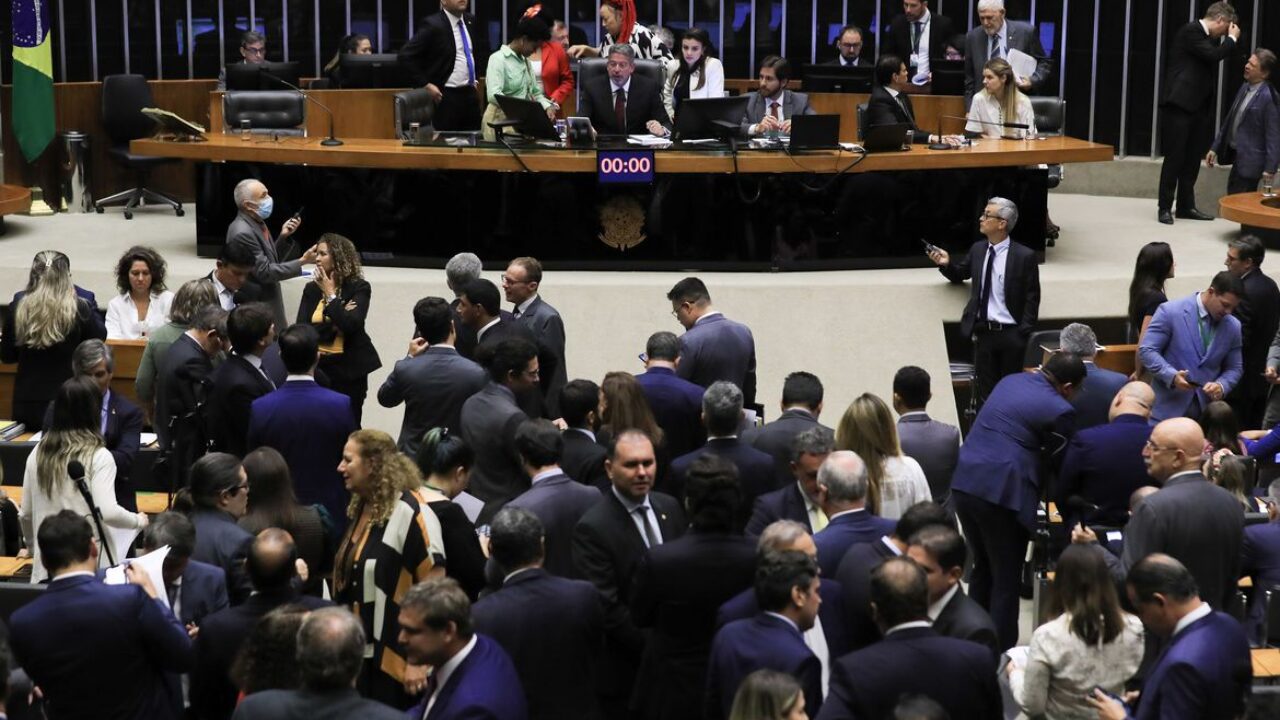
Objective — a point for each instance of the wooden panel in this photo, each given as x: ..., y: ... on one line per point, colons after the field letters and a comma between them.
x: 1119, y: 358
x: 929, y: 109
x: 128, y: 356
x: 151, y: 503
x: 356, y: 114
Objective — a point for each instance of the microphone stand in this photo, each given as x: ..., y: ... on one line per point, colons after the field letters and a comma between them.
x: 83, y: 487
x: 330, y: 141
x: 940, y: 145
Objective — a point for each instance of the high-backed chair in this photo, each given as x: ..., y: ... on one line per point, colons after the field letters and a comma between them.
x: 862, y: 120
x: 1051, y: 114
x: 282, y: 112
x: 123, y: 97
x: 412, y: 106
x: 589, y: 68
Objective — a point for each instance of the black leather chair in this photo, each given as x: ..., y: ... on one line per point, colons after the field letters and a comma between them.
x: 412, y: 106
x: 1051, y: 113
x: 123, y: 97
x: 589, y: 68
x: 1036, y: 342
x: 862, y: 120
x: 281, y: 112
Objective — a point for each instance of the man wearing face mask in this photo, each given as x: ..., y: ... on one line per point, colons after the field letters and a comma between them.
x: 249, y: 232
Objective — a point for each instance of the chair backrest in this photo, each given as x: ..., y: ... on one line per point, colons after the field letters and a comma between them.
x: 589, y: 68
x: 322, y: 83
x: 862, y: 120
x: 412, y: 106
x: 283, y: 111
x: 1050, y: 114
x: 123, y: 97
x: 1033, y: 355
x: 13, y: 595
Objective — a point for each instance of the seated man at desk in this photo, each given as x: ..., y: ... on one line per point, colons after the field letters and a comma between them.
x: 624, y: 103
x: 772, y: 106
x: 890, y: 104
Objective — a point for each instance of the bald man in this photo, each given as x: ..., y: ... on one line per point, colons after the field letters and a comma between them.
x: 1190, y: 519
x: 1104, y: 464
x: 249, y: 232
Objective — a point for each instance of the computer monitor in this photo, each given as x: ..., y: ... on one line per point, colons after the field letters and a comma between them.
x: 262, y: 76
x: 701, y: 118
x: 372, y: 71
x: 837, y: 78
x: 948, y: 77
x: 529, y: 116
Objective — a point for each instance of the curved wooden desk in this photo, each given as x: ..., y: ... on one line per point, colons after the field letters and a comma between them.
x: 13, y: 199
x: 1252, y: 209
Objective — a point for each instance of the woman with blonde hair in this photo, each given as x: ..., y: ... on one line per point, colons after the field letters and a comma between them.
x: 895, y: 481
x: 768, y: 695
x: 999, y: 102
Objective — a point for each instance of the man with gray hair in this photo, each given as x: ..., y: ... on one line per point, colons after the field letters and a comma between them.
x: 460, y: 270
x: 722, y: 417
x: 249, y: 233
x: 843, y: 486
x: 1093, y: 402
x: 623, y: 103
x: 330, y: 654
x: 1004, y: 298
x: 253, y: 50
x: 797, y: 501
x: 994, y: 37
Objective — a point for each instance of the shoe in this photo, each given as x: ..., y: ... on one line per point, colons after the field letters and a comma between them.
x: 1165, y: 217
x: 1193, y: 214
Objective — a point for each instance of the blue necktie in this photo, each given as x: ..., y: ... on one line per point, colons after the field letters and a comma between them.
x: 466, y: 50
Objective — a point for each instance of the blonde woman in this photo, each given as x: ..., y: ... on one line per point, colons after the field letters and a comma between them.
x: 999, y: 102
x: 896, y: 481
x: 48, y: 489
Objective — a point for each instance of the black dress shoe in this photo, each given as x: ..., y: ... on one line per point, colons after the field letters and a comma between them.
x: 1165, y: 217
x: 1193, y: 214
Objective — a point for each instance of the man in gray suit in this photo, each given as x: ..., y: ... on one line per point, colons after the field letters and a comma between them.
x: 249, y: 232
x: 933, y: 444
x: 330, y: 653
x: 520, y: 284
x: 490, y: 419
x: 434, y: 380
x: 1093, y: 402
x: 771, y: 108
x: 801, y: 405
x: 713, y: 347
x: 994, y: 38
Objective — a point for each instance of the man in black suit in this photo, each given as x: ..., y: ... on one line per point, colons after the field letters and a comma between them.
x: 434, y: 380
x: 1004, y: 300
x: 801, y: 406
x: 891, y: 105
x: 994, y: 37
x: 624, y: 103
x: 249, y: 234
x: 460, y: 270
x: 849, y: 43
x: 230, y: 277
x: 583, y: 457
x: 1186, y: 112
x: 490, y: 419
x: 240, y: 379
x: 480, y: 306
x: 121, y: 420
x: 798, y: 499
x: 675, y: 401
x: 607, y: 544
x: 520, y: 284
x: 557, y: 501
x: 552, y: 628
x: 185, y: 385
x: 940, y: 552
x: 918, y: 36
x: 932, y: 443
x: 1259, y: 315
x: 722, y: 416
x: 445, y: 57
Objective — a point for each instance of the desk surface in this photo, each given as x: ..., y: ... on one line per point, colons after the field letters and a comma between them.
x: 151, y: 503
x: 1266, y: 662
x: 1250, y: 208
x: 392, y: 154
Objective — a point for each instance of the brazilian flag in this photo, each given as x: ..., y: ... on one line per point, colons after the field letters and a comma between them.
x: 32, y: 77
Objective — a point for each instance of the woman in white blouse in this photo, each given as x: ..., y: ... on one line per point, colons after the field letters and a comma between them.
x: 700, y: 75
x: 1092, y: 643
x: 1000, y: 101
x: 143, y: 304
x: 895, y: 481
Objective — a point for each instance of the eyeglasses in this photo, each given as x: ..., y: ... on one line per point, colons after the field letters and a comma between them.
x: 253, y: 50
x: 848, y: 46
x: 236, y: 490
x: 1157, y: 448
x: 508, y: 280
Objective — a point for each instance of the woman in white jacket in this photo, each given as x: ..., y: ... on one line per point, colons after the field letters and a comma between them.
x: 699, y: 75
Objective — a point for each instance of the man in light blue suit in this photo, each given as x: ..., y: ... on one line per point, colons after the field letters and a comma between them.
x: 1193, y: 349
x: 1249, y: 138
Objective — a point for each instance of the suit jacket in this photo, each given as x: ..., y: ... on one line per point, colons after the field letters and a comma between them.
x: 1173, y: 343
x: 677, y: 590
x: 433, y: 386
x: 1093, y: 401
x: 559, y: 503
x: 744, y: 606
x: 1259, y: 316
x: 793, y: 104
x: 717, y: 348
x: 785, y: 503
x: 854, y: 575
x: 185, y: 385
x: 845, y: 531
x: 755, y: 471
x: 82, y: 641
x: 429, y: 55
x: 484, y: 685
x: 583, y: 459
x: 644, y: 103
x: 255, y: 237
x: 359, y: 357
x: 1104, y: 465
x: 677, y: 407
x: 775, y: 439
x: 236, y: 384
x: 308, y: 425
x: 898, y: 40
x: 964, y: 619
x: 1204, y: 672
x: 224, y: 544
x: 249, y: 292
x: 956, y: 673
x: 1191, y: 69
x: 544, y: 322
x: 933, y: 444
x: 859, y: 61
x: 308, y: 705
x: 203, y: 592
x: 553, y: 629
x: 1021, y: 284
x: 1260, y: 560
x: 1257, y: 140
x: 884, y: 109
x: 1021, y: 36
x: 533, y: 403
x: 490, y: 419
x: 761, y: 642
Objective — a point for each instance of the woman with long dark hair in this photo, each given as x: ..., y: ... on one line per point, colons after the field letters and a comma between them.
x: 699, y: 74
x: 1153, y: 267
x: 273, y: 504
x: 353, y: 44
x: 550, y: 61
x: 445, y: 460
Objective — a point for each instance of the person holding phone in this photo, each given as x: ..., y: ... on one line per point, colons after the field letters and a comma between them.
x: 249, y: 232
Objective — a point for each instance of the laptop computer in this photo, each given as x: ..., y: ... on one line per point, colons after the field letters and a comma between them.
x: 886, y: 138
x: 528, y: 116
x: 815, y: 132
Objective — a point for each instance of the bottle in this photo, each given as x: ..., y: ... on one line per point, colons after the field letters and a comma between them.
x: 244, y: 130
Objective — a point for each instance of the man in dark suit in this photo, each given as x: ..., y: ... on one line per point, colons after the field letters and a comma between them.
x: 786, y: 586
x: 1249, y: 138
x: 583, y: 457
x: 1103, y: 465
x: 801, y: 406
x: 240, y: 379
x: 520, y: 284
x: 82, y: 642
x: 434, y: 380
x: 1004, y: 300
x: 474, y: 676
x: 869, y: 682
x: 994, y: 37
x: 184, y: 389
x: 797, y: 500
x: 940, y: 552
x: 330, y: 652
x: 713, y: 347
x: 624, y: 103
x: 490, y: 419
x: 676, y: 402
x: 722, y: 416
x: 460, y: 270
x: 842, y: 494
x: 480, y: 306
x: 849, y: 43
x: 195, y: 589
x: 932, y: 443
x: 230, y: 277
x: 307, y: 424
x: 890, y: 104
x: 557, y: 501
x: 1260, y: 559
x: 270, y: 566
x: 220, y: 541
x: 446, y: 56
x: 1093, y: 402
x: 1259, y: 316
x: 918, y: 36
x: 607, y: 544
x: 1186, y: 112
x: 1204, y: 669
x: 552, y: 628
x: 249, y: 233
x: 1018, y: 435
x: 771, y: 107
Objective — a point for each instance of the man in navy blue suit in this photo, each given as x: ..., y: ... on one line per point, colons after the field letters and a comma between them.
x: 911, y: 659
x: 1249, y: 138
x: 797, y: 500
x: 842, y: 493
x: 97, y: 650
x: 1260, y: 557
x: 552, y: 627
x: 940, y: 551
x: 713, y: 347
x: 195, y: 589
x: 801, y: 406
x: 306, y: 423
x: 1204, y: 670
x: 121, y: 420
x: 996, y: 488
x: 676, y: 402
x: 786, y: 589
x: 1100, y: 385
x: 474, y: 676
x: 583, y: 457
x: 722, y: 415
x: 240, y: 379
x: 1103, y: 464
x: 1259, y: 316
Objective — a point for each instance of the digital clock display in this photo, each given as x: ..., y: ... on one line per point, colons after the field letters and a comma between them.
x: 625, y: 166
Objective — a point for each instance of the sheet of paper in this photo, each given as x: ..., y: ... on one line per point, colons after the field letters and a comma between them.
x: 1017, y: 656
x: 148, y: 439
x: 648, y: 140
x: 152, y: 564
x: 1024, y: 65
x: 35, y: 437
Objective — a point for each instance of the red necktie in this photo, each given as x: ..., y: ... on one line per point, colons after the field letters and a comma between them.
x: 620, y: 109
x: 777, y: 111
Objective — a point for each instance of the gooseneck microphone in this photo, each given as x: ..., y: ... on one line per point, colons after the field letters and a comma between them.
x: 330, y: 141
x: 75, y: 469
x: 944, y: 146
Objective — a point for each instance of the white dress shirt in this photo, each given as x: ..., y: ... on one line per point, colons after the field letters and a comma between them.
x: 986, y: 108
x: 446, y: 670
x: 480, y: 333
x: 226, y: 296
x: 122, y: 316
x: 523, y: 307
x: 780, y: 101
x: 1191, y: 617
x: 544, y: 475
x: 997, y: 309
x: 461, y: 76
x: 920, y: 57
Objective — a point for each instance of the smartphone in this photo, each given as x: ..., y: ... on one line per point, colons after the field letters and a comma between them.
x: 1099, y: 689
x: 298, y: 214
x: 928, y: 246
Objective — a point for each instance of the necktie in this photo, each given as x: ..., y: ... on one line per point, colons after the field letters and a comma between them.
x: 466, y: 50
x: 906, y: 108
x: 650, y: 537
x: 1206, y: 333
x: 433, y: 682
x: 515, y: 312
x: 620, y: 109
x: 984, y: 294
x: 917, y: 31
x: 1235, y: 116
x: 775, y: 110
x: 995, y: 47
x: 173, y: 595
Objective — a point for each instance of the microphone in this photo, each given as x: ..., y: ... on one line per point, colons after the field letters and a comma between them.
x: 330, y: 141
x: 943, y: 146
x: 1080, y: 505
x: 75, y: 469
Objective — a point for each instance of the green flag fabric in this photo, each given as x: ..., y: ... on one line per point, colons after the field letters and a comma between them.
x: 32, y: 77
